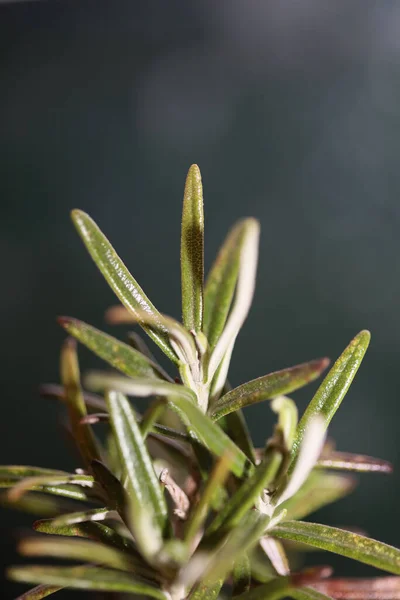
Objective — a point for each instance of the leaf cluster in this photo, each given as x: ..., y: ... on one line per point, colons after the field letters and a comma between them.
x: 175, y: 502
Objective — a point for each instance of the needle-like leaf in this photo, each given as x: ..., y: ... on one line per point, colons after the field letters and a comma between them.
x: 118, y: 277
x: 116, y: 353
x: 374, y: 588
x: 51, y: 482
x: 346, y: 461
x: 366, y: 550
x: 86, y: 578
x: 243, y: 297
x: 269, y: 386
x: 141, y: 483
x: 334, y: 387
x: 221, y: 282
x: 39, y: 592
x: 70, y: 378
x: 192, y: 251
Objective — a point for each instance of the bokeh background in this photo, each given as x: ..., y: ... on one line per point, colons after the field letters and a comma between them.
x: 292, y: 111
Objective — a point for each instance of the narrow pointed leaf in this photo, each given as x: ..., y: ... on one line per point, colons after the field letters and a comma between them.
x: 307, y: 593
x: 203, y: 429
x: 116, y: 494
x: 346, y: 461
x: 243, y: 296
x: 22, y: 471
x: 236, y: 427
x: 40, y: 505
x: 143, y: 388
x: 95, y: 514
x: 92, y: 401
x: 116, y: 353
x: 221, y: 282
x: 334, y: 387
x: 48, y: 481
x: 276, y: 554
x: 319, y: 490
x: 374, y: 588
x: 371, y: 552
x: 76, y: 549
x: 86, y: 578
x: 70, y: 378
x: 286, y: 409
x: 141, y: 483
x: 268, y: 386
x: 72, y: 492
x: 192, y: 251
x: 118, y: 277
x: 39, y: 592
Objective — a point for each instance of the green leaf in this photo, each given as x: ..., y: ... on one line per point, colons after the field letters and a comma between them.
x: 346, y: 461
x: 338, y: 541
x: 204, y: 590
x: 203, y: 429
x: 221, y: 282
x: 116, y: 353
x: 39, y: 592
x: 241, y: 575
x: 45, y: 482
x: 192, y: 251
x: 319, y: 490
x: 268, y: 386
x: 142, y: 485
x: 95, y: 514
x: 288, y: 417
x: 307, y: 593
x: 77, y: 549
x: 249, y: 493
x: 275, y: 589
x: 85, y: 578
x: 236, y: 427
x: 116, y: 495
x: 200, y: 512
x: 334, y: 387
x: 70, y: 378
x: 40, y: 505
x: 243, y: 297
x: 118, y: 277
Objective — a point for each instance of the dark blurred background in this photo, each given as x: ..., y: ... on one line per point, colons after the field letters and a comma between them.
x: 292, y: 111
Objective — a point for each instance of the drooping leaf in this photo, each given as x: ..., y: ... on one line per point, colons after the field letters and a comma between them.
x: 346, y: 461
x: 319, y: 490
x: 243, y: 297
x: 118, y: 277
x: 70, y: 378
x: 86, y: 578
x: 221, y: 282
x: 141, y: 483
x: 366, y: 550
x: 374, y: 588
x: 334, y: 387
x: 192, y: 251
x: 77, y: 549
x: 39, y: 592
x: 116, y: 353
x: 268, y: 386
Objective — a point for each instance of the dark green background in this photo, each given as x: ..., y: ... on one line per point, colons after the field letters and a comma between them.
x: 291, y: 109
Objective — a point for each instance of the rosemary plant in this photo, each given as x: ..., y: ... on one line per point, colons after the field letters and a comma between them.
x: 175, y: 502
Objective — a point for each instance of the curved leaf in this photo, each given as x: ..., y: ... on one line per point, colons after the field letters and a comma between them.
x: 334, y: 387
x: 243, y: 297
x: 371, y: 552
x: 221, y: 282
x: 116, y: 353
x: 85, y: 578
x: 118, y: 277
x: 70, y: 378
x: 268, y: 386
x: 41, y: 482
x: 192, y: 251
